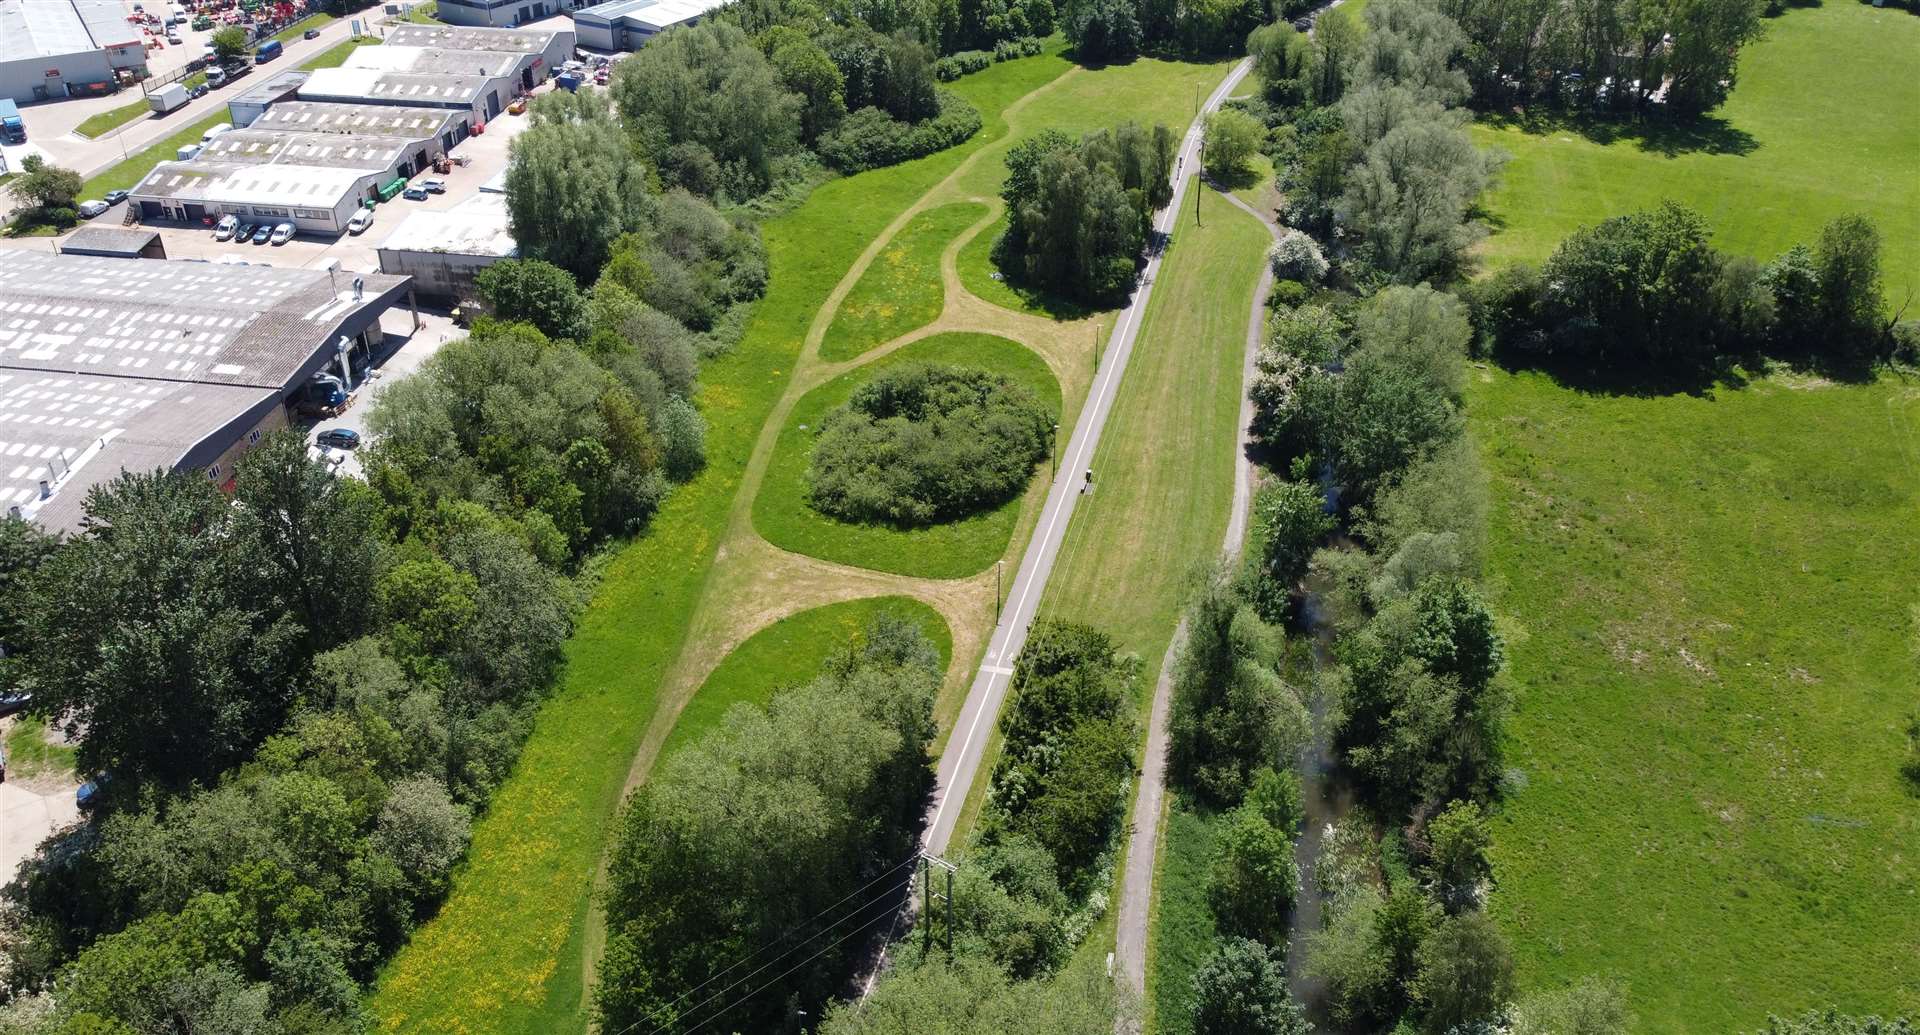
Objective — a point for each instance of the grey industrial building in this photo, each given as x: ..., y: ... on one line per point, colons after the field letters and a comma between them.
x: 309, y: 164
x: 116, y: 242
x: 477, y: 71
x: 255, y: 100
x: 49, y: 48
x: 443, y: 250
x: 108, y: 365
x: 629, y: 24
x: 501, y: 14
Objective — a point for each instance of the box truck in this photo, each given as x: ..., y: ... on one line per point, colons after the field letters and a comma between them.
x: 168, y: 98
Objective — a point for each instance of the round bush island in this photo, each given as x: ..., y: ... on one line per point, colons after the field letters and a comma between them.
x: 923, y: 443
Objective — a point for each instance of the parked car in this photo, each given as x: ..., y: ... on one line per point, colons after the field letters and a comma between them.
x: 262, y: 234
x: 282, y: 233
x: 89, y: 209
x: 244, y: 234
x: 15, y: 701
x: 197, y: 90
x: 434, y: 186
x: 310, y: 34
x: 224, y: 229
x: 414, y: 194
x: 92, y: 791
x: 339, y: 438
x: 360, y: 221
x: 115, y: 197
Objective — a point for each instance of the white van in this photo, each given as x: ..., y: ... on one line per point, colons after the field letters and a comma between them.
x: 207, y: 137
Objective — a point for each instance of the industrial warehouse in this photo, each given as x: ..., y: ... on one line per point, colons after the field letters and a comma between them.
x: 629, y: 24
x: 50, y: 49
x: 110, y: 364
x: 355, y: 134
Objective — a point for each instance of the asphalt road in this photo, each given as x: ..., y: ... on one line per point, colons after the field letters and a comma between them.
x: 961, y: 762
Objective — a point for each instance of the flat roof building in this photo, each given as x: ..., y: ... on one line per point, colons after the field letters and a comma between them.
x: 629, y: 24
x: 117, y: 242
x: 474, y: 70
x: 108, y: 365
x: 49, y: 48
x: 254, y: 102
x: 303, y: 163
x: 444, y: 250
x: 501, y: 13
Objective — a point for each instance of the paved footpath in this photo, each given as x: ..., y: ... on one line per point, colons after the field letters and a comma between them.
x: 961, y: 762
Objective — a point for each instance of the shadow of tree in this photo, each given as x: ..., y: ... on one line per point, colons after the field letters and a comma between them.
x: 1669, y: 136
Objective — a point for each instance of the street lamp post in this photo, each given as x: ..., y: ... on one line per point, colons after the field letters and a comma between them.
x: 998, y: 566
x: 1053, y: 453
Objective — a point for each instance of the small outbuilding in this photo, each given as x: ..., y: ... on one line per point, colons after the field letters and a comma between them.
x: 114, y: 242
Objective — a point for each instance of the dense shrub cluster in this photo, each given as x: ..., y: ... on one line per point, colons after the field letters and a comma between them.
x: 922, y: 443
x: 1079, y: 211
x: 1118, y: 30
x: 869, y: 138
x: 1067, y: 758
x: 1646, y: 296
x: 792, y: 825
x: 301, y: 694
x: 965, y: 62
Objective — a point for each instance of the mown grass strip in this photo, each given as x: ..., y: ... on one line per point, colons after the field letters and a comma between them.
x: 108, y: 121
x: 953, y: 549
x: 901, y: 291
x: 503, y: 955
x: 299, y: 29
x: 124, y: 175
x: 336, y: 55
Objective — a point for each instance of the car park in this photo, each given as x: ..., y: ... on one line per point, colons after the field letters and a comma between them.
x: 115, y: 197
x: 262, y: 233
x: 89, y: 209
x: 339, y: 438
x: 225, y: 228
x: 282, y: 233
x: 360, y: 221
x: 414, y: 194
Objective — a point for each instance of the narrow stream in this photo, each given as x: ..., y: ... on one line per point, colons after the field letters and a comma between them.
x: 1325, y: 800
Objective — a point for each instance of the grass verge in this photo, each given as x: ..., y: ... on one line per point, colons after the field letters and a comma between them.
x: 1708, y: 603
x: 108, y: 121
x: 901, y: 291
x: 791, y: 652
x: 504, y: 952
x: 1181, y: 920
x: 336, y: 55
x: 950, y: 550
x: 30, y: 755
x: 123, y: 175
x: 1821, y: 124
x: 299, y: 29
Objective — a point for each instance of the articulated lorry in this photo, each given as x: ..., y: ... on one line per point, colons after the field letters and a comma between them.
x: 12, y: 129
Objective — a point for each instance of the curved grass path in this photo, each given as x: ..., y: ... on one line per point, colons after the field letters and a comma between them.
x: 901, y: 290
x: 950, y: 549
x: 791, y: 652
x: 514, y: 945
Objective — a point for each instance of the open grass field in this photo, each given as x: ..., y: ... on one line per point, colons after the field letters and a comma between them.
x: 901, y: 291
x: 504, y: 952
x: 953, y: 549
x: 789, y: 653
x: 1824, y: 121
x: 1707, y: 605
